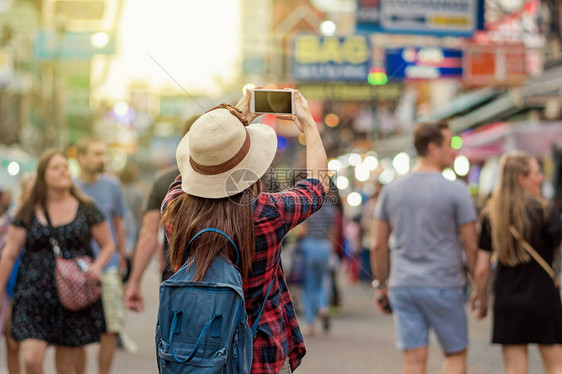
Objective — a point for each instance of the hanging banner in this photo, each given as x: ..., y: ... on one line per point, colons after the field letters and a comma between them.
x: 319, y: 58
x: 423, y: 63
x: 431, y: 17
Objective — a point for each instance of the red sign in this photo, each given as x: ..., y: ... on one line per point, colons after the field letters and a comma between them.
x: 494, y: 64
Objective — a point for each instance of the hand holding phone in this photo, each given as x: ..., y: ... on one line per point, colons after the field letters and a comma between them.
x: 272, y: 101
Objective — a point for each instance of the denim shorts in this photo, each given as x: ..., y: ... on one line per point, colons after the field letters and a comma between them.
x: 418, y: 309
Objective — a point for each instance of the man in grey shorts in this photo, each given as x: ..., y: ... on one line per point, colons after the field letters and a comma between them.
x: 426, y: 214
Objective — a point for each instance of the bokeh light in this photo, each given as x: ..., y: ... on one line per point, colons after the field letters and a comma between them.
x: 332, y: 120
x: 302, y: 139
x: 449, y: 174
x: 362, y: 172
x: 401, y: 163
x: 121, y: 109
x: 386, y: 163
x: 456, y: 142
x: 99, y: 40
x: 354, y: 159
x: 13, y: 168
x: 371, y: 162
x: 248, y: 86
x: 461, y: 165
x: 377, y: 77
x: 281, y: 142
x: 354, y: 199
x: 387, y: 176
x: 342, y: 182
x: 334, y: 165
x: 328, y: 28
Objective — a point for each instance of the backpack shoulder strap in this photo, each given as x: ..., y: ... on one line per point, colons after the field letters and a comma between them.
x: 257, y: 321
x: 212, y: 229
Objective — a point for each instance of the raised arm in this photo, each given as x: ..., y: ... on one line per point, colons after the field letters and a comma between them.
x: 316, y: 159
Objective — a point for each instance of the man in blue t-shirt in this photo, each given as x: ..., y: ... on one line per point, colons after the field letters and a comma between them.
x: 106, y: 191
x: 426, y: 215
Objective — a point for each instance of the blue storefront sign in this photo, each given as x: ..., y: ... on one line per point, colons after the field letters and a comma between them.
x: 423, y: 63
x: 319, y: 58
x: 430, y: 17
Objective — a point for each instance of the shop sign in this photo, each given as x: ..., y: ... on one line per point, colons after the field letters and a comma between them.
x: 319, y: 58
x: 430, y: 17
x: 423, y: 63
x: 495, y: 64
x: 350, y: 92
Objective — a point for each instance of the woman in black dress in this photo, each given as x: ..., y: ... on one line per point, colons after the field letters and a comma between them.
x: 527, y: 306
x: 39, y: 319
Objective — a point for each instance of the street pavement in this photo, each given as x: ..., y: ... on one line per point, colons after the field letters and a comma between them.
x: 360, y: 341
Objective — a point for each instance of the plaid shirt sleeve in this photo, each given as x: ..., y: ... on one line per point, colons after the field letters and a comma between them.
x: 297, y: 204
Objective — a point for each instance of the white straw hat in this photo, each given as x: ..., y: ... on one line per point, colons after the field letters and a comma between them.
x: 222, y: 155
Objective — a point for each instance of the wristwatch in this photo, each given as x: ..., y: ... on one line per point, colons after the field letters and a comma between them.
x: 378, y: 285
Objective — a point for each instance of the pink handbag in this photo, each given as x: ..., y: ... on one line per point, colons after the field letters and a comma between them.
x: 75, y: 290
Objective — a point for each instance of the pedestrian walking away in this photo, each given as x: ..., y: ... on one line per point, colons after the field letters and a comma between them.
x: 426, y: 214
x: 319, y: 238
x: 522, y: 231
x: 107, y: 194
x: 148, y: 238
x: 39, y: 319
x: 221, y: 160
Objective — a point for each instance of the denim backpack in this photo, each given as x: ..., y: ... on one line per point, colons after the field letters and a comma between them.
x: 202, y: 326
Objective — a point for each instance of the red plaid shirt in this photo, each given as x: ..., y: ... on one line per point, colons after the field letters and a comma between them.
x: 275, y: 214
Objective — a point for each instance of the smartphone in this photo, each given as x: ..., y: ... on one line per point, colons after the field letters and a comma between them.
x: 272, y: 101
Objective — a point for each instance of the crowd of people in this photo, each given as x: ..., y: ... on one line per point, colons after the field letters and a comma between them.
x: 428, y: 247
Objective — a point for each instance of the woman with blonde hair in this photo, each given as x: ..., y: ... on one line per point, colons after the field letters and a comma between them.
x: 520, y: 229
x: 54, y: 207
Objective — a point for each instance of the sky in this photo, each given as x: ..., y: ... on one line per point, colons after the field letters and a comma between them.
x: 196, y: 42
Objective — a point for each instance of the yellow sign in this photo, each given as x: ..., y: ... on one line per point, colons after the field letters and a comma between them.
x: 313, y: 49
x: 350, y: 92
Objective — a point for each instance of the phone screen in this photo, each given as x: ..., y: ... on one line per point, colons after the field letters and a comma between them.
x: 273, y: 102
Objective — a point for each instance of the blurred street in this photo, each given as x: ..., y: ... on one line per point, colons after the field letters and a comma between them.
x: 361, y: 341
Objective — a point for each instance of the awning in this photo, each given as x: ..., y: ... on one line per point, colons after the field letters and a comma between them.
x: 496, y: 139
x: 460, y: 104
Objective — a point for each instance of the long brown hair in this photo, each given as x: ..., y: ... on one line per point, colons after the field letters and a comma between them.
x: 509, y: 206
x: 187, y: 215
x: 37, y: 196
